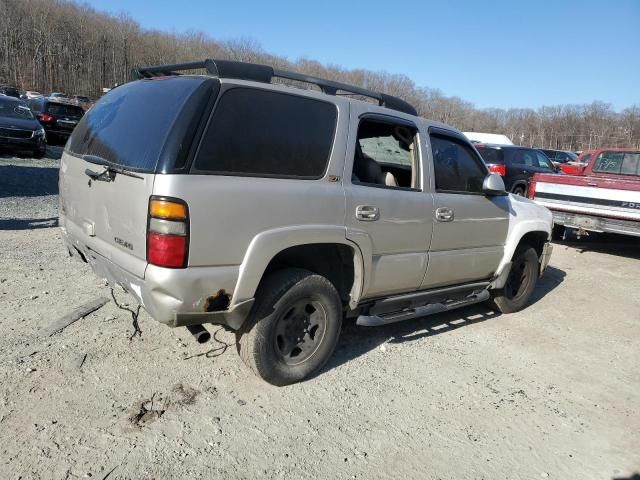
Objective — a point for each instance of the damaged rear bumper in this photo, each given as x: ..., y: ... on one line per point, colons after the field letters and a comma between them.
x: 175, y: 297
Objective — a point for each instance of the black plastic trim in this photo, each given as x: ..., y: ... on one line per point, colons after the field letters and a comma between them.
x: 265, y: 74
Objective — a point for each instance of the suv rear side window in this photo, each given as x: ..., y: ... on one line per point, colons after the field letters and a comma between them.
x: 457, y: 167
x: 491, y: 155
x: 268, y: 134
x: 130, y: 125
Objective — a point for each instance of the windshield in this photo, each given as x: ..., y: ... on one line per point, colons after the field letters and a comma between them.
x: 130, y: 125
x: 15, y: 110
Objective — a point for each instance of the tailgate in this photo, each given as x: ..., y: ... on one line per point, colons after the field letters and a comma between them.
x: 109, y: 163
x: 110, y: 216
x: 588, y: 195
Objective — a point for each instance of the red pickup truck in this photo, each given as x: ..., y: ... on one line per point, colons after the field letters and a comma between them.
x: 605, y: 197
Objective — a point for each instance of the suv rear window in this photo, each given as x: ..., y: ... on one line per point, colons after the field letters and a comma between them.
x: 625, y: 163
x: 130, y: 125
x: 491, y: 155
x: 64, y: 110
x: 269, y: 134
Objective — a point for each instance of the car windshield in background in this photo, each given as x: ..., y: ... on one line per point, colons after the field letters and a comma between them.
x: 13, y: 110
x: 491, y: 155
x: 625, y: 163
x: 64, y: 110
x: 130, y: 124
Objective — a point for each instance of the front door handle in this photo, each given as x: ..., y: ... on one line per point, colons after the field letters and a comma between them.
x: 444, y: 214
x: 367, y: 213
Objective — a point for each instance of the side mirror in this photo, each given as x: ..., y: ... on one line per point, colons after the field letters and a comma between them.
x: 493, y: 185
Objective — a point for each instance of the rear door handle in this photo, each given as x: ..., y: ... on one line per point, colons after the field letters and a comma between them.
x: 444, y: 214
x: 367, y: 213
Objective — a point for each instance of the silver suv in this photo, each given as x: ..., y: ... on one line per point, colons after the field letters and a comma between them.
x: 278, y: 211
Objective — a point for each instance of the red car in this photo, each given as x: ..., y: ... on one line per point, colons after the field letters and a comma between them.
x: 604, y: 197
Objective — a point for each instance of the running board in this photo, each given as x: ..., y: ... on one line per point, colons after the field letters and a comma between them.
x: 423, y: 311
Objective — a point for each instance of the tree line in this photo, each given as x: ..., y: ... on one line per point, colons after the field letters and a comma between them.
x: 61, y: 45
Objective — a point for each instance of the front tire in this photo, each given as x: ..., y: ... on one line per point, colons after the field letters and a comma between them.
x: 521, y: 281
x: 293, y: 328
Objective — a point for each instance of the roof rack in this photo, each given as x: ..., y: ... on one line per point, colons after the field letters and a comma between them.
x: 265, y: 73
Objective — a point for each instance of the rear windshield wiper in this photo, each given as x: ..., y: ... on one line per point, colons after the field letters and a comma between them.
x: 109, y: 172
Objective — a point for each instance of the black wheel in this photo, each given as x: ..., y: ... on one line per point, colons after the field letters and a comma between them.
x: 293, y: 327
x: 557, y: 233
x: 519, y: 191
x: 520, y: 283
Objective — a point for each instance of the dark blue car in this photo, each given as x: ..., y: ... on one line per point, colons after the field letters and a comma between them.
x: 19, y: 128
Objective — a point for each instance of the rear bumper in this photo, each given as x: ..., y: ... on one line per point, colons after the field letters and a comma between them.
x: 594, y: 223
x: 175, y: 297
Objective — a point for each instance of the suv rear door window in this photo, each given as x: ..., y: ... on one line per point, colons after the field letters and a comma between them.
x: 130, y: 124
x: 268, y: 134
x: 457, y: 167
x: 543, y: 161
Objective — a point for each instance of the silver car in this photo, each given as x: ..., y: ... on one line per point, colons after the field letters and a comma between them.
x: 277, y: 211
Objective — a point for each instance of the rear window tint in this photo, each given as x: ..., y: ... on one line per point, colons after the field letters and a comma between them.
x: 263, y: 133
x: 130, y: 124
x: 64, y: 110
x: 625, y: 163
x: 491, y: 155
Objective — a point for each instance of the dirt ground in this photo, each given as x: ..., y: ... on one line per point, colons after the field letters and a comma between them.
x: 550, y: 392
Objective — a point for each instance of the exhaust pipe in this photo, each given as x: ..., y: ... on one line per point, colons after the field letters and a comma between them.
x: 200, y: 333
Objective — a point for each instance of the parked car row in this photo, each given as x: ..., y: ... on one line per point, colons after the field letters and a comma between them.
x: 26, y: 125
x: 604, y: 196
x: 79, y: 100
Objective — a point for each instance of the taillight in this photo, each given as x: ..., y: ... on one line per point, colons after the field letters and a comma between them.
x: 168, y: 233
x: 45, y: 117
x: 532, y: 188
x: 497, y: 168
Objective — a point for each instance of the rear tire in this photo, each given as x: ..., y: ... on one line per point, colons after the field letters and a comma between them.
x: 521, y: 281
x: 293, y: 327
x: 557, y: 233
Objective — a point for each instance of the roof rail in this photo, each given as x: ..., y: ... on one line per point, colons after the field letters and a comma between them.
x: 265, y: 73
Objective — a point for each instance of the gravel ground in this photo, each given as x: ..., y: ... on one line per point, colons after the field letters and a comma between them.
x: 550, y: 392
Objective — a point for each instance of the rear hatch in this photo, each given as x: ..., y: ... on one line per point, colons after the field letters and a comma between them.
x: 65, y: 117
x: 109, y: 164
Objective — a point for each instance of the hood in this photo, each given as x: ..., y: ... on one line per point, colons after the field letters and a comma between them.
x: 24, y: 123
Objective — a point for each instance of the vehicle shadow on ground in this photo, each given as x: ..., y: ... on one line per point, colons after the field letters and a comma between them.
x: 27, y: 223
x: 54, y: 152
x: 356, y: 341
x: 610, y: 244
x: 28, y: 181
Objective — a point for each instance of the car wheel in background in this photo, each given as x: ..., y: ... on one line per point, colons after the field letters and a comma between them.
x: 521, y: 282
x: 293, y: 327
x: 519, y: 191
